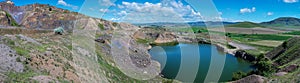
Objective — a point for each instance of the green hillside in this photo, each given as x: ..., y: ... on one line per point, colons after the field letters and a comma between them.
x: 245, y: 25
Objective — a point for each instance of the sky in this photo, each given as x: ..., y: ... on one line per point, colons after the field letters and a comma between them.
x: 149, y: 11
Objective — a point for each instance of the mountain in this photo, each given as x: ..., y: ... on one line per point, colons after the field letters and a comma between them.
x: 192, y: 24
x: 286, y: 60
x: 283, y: 22
x: 245, y: 25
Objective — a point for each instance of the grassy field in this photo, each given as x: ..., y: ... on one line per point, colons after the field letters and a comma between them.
x: 245, y: 25
x: 293, y: 33
x: 249, y: 30
x: 269, y: 43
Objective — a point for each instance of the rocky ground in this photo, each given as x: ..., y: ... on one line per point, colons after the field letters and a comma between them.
x: 86, y: 52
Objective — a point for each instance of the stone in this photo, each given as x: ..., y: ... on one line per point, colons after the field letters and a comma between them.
x: 280, y: 73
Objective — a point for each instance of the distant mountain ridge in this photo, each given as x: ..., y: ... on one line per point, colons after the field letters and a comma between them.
x: 283, y: 21
x: 279, y: 22
x: 245, y: 24
x: 193, y: 24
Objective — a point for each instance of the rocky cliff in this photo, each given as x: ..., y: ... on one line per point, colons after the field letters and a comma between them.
x: 40, y: 55
x: 39, y: 16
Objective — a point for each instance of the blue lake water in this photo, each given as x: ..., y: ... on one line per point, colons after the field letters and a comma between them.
x: 170, y: 58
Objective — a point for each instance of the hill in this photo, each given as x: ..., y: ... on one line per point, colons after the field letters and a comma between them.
x: 192, y: 24
x: 38, y: 16
x: 286, y: 60
x: 245, y: 25
x: 31, y: 52
x: 283, y: 22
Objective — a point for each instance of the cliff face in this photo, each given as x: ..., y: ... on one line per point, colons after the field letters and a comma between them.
x: 287, y: 52
x: 154, y: 36
x: 252, y: 79
x: 39, y: 16
x: 53, y: 57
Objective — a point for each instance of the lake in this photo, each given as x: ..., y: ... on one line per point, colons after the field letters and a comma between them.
x: 195, y: 60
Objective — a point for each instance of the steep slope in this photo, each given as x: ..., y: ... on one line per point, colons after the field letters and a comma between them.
x: 39, y: 16
x: 66, y: 58
x: 6, y: 19
x: 286, y: 60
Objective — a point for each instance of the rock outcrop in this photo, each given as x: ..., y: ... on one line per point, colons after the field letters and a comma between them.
x: 244, y: 55
x: 252, y: 79
x: 153, y: 36
x: 38, y: 16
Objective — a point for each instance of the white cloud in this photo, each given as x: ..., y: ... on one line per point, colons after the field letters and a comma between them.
x: 106, y: 3
x: 103, y: 10
x: 62, y: 2
x: 122, y: 13
x: 157, y: 12
x: 290, y: 1
x: 270, y: 13
x: 247, y: 10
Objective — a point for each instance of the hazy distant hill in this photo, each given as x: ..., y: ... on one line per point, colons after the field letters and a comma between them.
x: 283, y: 22
x: 193, y: 24
x: 245, y: 25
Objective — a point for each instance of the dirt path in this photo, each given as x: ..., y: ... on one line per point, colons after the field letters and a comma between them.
x: 241, y: 46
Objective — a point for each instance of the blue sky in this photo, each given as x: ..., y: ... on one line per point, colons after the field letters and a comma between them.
x: 142, y: 11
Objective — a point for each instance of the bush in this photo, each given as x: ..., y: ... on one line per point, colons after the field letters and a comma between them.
x: 114, y: 24
x: 101, y: 26
x: 238, y: 75
x: 12, y: 21
x: 265, y: 68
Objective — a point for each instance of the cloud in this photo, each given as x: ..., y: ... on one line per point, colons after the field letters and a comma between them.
x: 270, y: 13
x: 106, y: 3
x: 122, y: 13
x: 62, y: 2
x: 157, y: 12
x: 290, y: 1
x: 103, y: 10
x: 247, y: 10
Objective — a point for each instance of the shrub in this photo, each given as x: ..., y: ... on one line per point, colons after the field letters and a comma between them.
x: 238, y: 75
x: 265, y: 68
x: 101, y: 26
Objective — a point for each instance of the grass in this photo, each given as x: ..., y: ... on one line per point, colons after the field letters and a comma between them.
x: 257, y: 37
x: 24, y: 77
x: 166, y: 44
x: 253, y: 52
x: 293, y: 33
x: 101, y: 26
x: 245, y: 25
x: 12, y: 21
x: 191, y: 29
x: 142, y: 41
x: 269, y: 43
x: 22, y: 52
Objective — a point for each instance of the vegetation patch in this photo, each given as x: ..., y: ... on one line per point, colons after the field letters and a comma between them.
x: 245, y: 25
x: 23, y: 77
x: 142, y: 41
x: 11, y: 20
x: 100, y: 26
x: 293, y: 33
x: 166, y: 44
x: 256, y: 37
